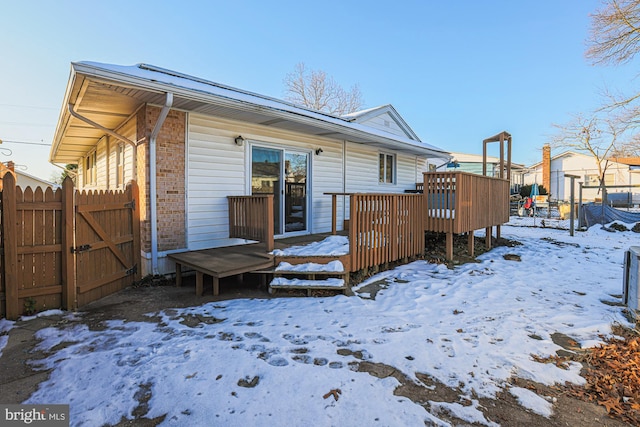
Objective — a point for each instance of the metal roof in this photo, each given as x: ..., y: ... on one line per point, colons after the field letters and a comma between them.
x: 109, y: 94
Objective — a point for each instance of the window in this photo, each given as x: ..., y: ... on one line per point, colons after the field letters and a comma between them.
x: 594, y: 180
x: 120, y: 165
x: 90, y: 172
x: 386, y: 168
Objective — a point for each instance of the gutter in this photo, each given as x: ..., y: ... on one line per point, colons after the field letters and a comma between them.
x: 153, y: 181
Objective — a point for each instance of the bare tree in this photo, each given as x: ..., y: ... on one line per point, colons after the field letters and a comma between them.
x: 615, y: 32
x: 614, y: 38
x: 628, y: 149
x: 593, y: 135
x: 315, y: 89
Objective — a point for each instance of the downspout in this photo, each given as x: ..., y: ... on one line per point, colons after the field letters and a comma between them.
x: 109, y: 132
x: 153, y: 182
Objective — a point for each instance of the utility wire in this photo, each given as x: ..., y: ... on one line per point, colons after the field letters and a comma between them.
x: 25, y: 142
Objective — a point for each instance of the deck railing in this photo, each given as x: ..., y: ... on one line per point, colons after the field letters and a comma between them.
x: 384, y: 228
x: 251, y: 217
x: 459, y: 202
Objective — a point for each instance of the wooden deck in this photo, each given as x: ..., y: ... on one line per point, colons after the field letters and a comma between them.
x: 232, y: 260
x: 221, y: 262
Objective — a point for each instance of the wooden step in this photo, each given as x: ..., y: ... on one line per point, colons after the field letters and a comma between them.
x: 281, y: 283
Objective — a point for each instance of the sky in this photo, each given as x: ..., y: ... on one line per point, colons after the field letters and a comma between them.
x: 275, y: 361
x: 458, y: 71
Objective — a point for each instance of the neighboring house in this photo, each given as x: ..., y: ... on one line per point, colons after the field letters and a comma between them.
x: 190, y: 143
x: 472, y: 163
x: 24, y: 180
x: 553, y: 173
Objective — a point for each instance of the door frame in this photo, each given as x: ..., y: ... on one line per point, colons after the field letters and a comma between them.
x: 284, y: 149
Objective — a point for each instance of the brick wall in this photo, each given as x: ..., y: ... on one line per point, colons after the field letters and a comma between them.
x: 170, y: 172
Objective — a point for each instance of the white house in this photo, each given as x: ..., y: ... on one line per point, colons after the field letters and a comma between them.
x: 23, y: 179
x: 558, y: 168
x: 472, y: 163
x: 190, y: 143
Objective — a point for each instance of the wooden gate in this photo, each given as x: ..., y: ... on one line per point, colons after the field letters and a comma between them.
x: 47, y: 263
x: 107, y: 242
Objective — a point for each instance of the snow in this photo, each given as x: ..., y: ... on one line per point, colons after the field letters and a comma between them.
x: 281, y: 282
x: 5, y: 327
x: 332, y: 245
x: 333, y: 266
x: 442, y: 213
x: 532, y: 401
x: 272, y: 361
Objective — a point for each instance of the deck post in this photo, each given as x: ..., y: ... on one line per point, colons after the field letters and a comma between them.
x: 333, y: 213
x: 449, y: 246
x: 498, y: 228
x: 216, y: 285
x: 487, y: 238
x: 199, y: 283
x: 471, y: 243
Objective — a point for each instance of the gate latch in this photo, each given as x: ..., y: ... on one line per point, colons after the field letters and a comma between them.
x: 80, y: 248
x: 132, y: 270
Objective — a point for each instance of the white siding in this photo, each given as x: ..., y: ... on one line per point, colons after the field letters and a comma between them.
x: 362, y: 171
x: 217, y: 168
x: 580, y: 165
x: 386, y: 123
x: 101, y: 164
x: 128, y: 130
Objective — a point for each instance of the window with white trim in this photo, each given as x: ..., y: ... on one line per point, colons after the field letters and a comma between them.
x: 386, y: 168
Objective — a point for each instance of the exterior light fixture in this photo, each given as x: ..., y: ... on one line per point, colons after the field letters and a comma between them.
x: 239, y: 140
x: 318, y: 151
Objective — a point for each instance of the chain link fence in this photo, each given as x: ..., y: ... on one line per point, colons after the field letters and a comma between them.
x: 547, y: 215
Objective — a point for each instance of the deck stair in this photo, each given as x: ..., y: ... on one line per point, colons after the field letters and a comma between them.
x: 310, y: 275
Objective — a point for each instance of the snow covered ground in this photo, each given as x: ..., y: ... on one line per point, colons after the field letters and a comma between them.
x: 275, y: 361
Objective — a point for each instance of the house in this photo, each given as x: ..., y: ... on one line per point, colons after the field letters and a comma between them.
x: 553, y: 171
x: 473, y: 163
x: 190, y: 143
x: 23, y: 179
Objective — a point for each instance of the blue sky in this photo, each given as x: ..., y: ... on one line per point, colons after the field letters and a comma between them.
x: 457, y: 71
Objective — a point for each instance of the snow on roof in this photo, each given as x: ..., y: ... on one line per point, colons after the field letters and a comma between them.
x: 151, y: 76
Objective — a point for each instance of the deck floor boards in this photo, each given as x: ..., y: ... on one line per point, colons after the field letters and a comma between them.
x: 232, y: 260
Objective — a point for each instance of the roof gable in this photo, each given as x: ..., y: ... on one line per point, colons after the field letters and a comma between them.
x: 385, y: 118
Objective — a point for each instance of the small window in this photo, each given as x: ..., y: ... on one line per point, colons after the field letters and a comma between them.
x: 594, y: 180
x: 386, y: 168
x: 90, y: 170
x: 120, y: 165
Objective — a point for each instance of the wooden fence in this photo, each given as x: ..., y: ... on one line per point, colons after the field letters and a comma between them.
x: 384, y: 228
x: 251, y: 217
x: 41, y: 247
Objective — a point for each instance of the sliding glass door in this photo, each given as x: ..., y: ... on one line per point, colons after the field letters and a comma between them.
x: 283, y: 173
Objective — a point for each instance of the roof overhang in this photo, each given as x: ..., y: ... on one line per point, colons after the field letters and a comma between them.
x: 109, y: 95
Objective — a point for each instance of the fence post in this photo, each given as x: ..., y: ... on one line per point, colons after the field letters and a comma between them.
x: 134, y: 193
x: 68, y: 274
x: 572, y: 207
x: 10, y: 244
